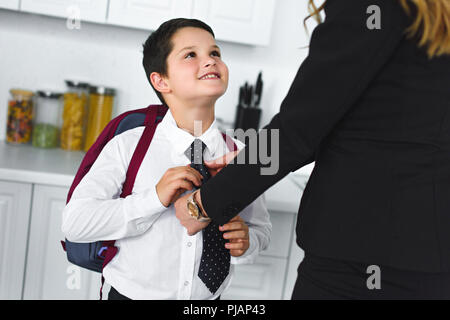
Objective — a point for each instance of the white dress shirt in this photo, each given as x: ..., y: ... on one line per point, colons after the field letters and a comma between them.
x: 156, y: 259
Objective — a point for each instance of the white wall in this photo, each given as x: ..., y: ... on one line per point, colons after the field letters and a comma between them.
x: 39, y: 52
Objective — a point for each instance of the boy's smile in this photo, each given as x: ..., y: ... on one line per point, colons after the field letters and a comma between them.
x: 195, y: 70
x: 210, y: 76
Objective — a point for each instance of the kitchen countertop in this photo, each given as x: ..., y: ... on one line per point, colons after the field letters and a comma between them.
x: 57, y: 167
x: 25, y: 163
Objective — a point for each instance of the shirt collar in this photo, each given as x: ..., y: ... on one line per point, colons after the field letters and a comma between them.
x: 181, y: 140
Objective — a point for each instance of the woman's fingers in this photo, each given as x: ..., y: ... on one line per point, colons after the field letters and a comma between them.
x: 222, y: 161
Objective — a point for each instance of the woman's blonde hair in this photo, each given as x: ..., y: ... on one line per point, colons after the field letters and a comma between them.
x: 431, y: 24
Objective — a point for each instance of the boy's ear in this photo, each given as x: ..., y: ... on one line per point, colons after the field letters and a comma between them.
x: 159, y: 82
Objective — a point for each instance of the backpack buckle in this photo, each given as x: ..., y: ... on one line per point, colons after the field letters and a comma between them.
x: 101, y: 251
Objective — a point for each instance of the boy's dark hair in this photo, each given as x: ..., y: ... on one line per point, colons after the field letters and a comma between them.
x: 158, y: 46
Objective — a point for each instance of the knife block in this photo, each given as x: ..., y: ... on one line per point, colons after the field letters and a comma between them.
x: 247, y: 118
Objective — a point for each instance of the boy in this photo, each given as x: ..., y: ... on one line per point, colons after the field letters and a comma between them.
x: 157, y: 259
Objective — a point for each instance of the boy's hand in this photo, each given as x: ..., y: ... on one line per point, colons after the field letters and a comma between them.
x: 176, y: 181
x: 236, y: 230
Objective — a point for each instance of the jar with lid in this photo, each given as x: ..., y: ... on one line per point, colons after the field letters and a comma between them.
x: 20, y: 116
x: 74, y: 115
x: 101, y: 100
x: 47, y: 121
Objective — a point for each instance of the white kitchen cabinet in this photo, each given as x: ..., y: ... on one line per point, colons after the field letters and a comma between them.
x: 49, y: 274
x: 14, y: 218
x: 86, y: 10
x: 9, y: 4
x: 147, y: 14
x: 262, y: 280
x: 243, y: 21
x: 280, y: 241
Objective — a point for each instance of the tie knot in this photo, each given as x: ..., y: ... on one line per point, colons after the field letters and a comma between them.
x: 195, y: 151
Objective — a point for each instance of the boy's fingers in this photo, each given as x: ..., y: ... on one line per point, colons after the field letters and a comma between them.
x: 237, y: 225
x: 189, y: 176
x: 232, y: 224
x: 188, y: 168
x: 235, y: 245
x: 183, y: 184
x: 194, y: 171
x: 239, y: 234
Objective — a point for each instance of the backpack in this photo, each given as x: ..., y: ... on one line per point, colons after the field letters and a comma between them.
x: 96, y: 255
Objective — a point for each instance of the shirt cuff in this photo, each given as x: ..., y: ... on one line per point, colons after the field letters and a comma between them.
x: 144, y: 207
x: 152, y: 203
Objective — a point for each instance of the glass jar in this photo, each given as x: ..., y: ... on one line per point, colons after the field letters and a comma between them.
x: 74, y: 115
x: 101, y: 100
x: 47, y: 121
x: 20, y: 116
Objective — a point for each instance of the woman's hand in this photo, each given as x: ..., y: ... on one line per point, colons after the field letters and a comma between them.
x: 236, y: 231
x: 218, y: 164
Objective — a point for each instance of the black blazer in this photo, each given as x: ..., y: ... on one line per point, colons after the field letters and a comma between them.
x: 373, y: 112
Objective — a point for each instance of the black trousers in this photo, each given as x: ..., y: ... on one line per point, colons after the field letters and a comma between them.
x: 116, y: 295
x: 328, y: 279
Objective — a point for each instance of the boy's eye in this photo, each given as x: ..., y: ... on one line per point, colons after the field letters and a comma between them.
x: 190, y: 55
x: 215, y: 53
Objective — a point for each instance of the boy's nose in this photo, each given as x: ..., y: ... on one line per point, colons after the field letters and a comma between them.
x: 209, y: 62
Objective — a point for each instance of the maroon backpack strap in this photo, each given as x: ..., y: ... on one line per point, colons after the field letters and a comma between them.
x: 106, y: 135
x: 230, y: 142
x: 139, y: 152
x: 136, y: 160
x: 110, y: 252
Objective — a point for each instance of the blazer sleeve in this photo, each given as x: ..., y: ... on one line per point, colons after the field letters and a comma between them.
x: 344, y: 56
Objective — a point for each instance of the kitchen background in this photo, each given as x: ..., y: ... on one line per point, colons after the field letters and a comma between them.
x: 39, y: 52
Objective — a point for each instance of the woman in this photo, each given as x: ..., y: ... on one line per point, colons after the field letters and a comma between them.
x: 371, y: 107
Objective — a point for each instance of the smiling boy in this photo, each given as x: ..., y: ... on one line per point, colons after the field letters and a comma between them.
x: 157, y: 259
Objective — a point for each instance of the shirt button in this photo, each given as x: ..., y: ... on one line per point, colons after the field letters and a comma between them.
x: 189, y: 244
x: 186, y: 283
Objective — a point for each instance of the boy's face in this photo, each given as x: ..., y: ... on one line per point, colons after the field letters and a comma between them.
x: 195, y: 69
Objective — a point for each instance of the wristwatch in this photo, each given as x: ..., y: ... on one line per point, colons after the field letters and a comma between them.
x: 194, y: 209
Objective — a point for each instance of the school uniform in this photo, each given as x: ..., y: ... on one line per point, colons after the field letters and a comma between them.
x: 156, y: 259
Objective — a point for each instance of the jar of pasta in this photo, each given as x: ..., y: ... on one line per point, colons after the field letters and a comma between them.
x: 74, y: 115
x: 47, y: 121
x: 101, y: 100
x: 20, y: 116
